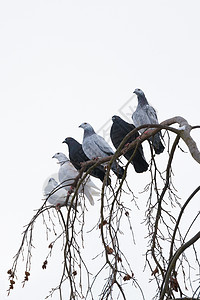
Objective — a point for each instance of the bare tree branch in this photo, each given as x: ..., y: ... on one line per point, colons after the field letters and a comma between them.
x: 163, y: 226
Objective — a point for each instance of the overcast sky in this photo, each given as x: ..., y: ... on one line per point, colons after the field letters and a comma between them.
x: 68, y: 62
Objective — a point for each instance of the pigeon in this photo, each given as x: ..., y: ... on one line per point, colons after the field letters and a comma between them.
x: 77, y: 156
x: 146, y: 114
x: 119, y: 130
x: 55, y: 194
x: 95, y: 146
x: 67, y: 174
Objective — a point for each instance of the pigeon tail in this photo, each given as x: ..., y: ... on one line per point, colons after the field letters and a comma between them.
x: 140, y: 166
x: 138, y: 161
x: 157, y: 144
x: 89, y: 193
x: 119, y: 171
x: 99, y: 172
x: 91, y: 184
x: 90, y: 190
x: 159, y: 148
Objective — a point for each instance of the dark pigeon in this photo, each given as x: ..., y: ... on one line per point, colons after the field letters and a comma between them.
x: 77, y: 156
x: 119, y: 130
x: 146, y: 114
x: 95, y: 146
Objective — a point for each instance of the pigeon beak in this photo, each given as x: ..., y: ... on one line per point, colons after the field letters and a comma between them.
x: 53, y: 156
x: 64, y: 141
x: 80, y: 126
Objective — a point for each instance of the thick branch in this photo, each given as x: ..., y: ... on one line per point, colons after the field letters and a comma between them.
x: 185, y: 135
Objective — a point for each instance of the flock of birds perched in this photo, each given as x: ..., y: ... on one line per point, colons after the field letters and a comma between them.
x: 94, y: 146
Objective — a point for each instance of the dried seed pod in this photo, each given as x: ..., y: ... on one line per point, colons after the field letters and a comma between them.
x: 155, y: 271
x: 44, y: 266
x: 127, y: 277
x: 103, y: 223
x: 109, y: 250
x: 12, y: 281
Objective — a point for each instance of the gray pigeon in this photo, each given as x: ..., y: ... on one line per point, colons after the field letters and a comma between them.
x: 67, y: 174
x: 56, y: 194
x: 95, y: 146
x: 146, y: 114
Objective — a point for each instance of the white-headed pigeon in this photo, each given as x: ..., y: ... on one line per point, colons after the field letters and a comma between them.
x: 67, y: 174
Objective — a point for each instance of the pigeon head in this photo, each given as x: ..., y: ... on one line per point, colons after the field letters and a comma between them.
x: 68, y: 140
x: 52, y: 181
x: 120, y: 123
x: 115, y: 118
x: 138, y: 92
x: 61, y: 157
x: 87, y: 128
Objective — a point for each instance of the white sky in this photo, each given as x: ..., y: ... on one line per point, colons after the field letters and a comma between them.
x: 64, y: 63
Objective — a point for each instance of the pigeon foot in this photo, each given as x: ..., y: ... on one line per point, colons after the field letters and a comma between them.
x: 70, y: 190
x: 57, y: 206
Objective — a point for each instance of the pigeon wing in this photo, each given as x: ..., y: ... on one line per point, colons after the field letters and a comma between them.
x: 151, y: 114
x: 96, y: 146
x: 55, y: 194
x: 76, y: 157
x: 67, y: 173
x: 49, y: 187
x: 103, y: 145
x: 140, y: 117
x: 126, y: 127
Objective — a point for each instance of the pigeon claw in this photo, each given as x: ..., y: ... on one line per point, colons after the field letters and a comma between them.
x: 70, y: 190
x: 96, y: 158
